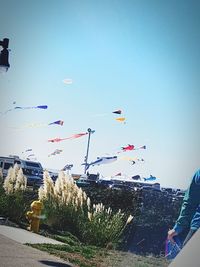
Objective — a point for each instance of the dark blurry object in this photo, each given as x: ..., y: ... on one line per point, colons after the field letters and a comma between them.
x: 4, y: 64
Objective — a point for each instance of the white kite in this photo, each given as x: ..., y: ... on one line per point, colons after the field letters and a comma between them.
x: 101, y: 160
x: 67, y: 81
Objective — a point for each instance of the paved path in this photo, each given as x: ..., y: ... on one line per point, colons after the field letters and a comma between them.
x: 13, y: 252
x: 23, y: 236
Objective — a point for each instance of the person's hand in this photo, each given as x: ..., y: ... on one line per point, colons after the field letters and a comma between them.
x: 171, y: 234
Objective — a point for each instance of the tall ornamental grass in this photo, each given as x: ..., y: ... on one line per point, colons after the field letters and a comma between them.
x: 63, y: 202
x: 104, y: 226
x: 15, y: 180
x: 1, y: 177
x: 12, y: 198
x: 67, y: 207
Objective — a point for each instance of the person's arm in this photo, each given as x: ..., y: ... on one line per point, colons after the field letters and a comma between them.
x: 189, y: 206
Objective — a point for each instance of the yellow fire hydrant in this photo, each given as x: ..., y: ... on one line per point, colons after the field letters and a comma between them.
x: 34, y: 215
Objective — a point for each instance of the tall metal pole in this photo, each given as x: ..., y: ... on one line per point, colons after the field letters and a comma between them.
x: 88, y: 145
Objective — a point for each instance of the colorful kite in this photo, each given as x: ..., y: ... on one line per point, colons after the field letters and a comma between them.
x: 38, y: 107
x: 142, y: 147
x: 101, y: 160
x: 128, y: 148
x: 32, y: 159
x: 28, y: 156
x: 132, y: 160
x: 140, y: 159
x: 135, y: 160
x: 31, y: 155
x: 41, y: 107
x: 118, y: 174
x: 56, y: 140
x: 151, y: 178
x: 121, y: 119
x: 28, y: 150
x: 57, y: 122
x: 67, y: 167
x: 71, y: 137
x: 38, y: 125
x: 56, y: 152
x: 67, y: 81
x: 136, y: 177
x: 117, y: 111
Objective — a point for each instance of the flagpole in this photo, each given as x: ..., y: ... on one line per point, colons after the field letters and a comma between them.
x: 88, y: 145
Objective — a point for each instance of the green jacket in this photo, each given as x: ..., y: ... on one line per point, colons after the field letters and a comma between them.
x: 190, y: 210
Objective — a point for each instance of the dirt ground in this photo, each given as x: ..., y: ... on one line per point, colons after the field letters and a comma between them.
x: 125, y: 259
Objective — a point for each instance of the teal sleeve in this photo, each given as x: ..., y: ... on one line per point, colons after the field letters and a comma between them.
x: 190, y: 203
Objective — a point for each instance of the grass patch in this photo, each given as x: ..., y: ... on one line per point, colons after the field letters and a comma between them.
x: 91, y: 256
x: 81, y: 255
x: 73, y: 250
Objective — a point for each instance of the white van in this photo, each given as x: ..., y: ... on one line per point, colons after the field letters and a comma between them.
x: 31, y: 169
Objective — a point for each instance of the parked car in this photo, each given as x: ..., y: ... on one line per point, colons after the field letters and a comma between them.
x: 31, y: 169
x: 82, y: 182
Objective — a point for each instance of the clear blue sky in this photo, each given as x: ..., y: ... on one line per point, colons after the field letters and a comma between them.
x: 139, y: 56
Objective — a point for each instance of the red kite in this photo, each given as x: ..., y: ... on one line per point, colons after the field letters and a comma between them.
x: 71, y: 137
x: 129, y: 147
